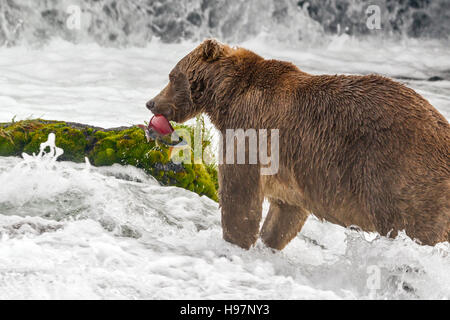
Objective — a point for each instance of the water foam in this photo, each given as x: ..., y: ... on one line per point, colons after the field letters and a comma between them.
x: 76, y: 231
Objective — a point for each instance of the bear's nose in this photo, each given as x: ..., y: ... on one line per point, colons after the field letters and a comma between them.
x: 150, y: 105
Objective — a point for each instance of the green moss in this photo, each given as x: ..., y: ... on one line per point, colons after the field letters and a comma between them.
x: 105, y: 157
x: 106, y: 147
x: 7, y: 147
x: 13, y: 140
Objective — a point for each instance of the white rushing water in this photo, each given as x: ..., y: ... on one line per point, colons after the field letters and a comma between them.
x: 75, y: 231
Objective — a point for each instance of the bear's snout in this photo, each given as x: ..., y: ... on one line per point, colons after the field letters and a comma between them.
x: 150, y: 105
x: 161, y: 106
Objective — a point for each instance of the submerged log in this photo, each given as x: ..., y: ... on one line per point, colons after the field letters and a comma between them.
x: 103, y: 147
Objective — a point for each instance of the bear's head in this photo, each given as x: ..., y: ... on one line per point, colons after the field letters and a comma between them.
x: 183, y: 97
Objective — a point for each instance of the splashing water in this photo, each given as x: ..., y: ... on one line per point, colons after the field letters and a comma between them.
x: 71, y: 230
x: 44, y: 156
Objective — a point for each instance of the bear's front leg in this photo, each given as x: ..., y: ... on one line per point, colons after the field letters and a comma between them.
x: 241, y: 203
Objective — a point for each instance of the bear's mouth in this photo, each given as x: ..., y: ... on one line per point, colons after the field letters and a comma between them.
x: 168, y: 111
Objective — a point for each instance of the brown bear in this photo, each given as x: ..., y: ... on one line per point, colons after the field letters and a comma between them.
x: 353, y: 150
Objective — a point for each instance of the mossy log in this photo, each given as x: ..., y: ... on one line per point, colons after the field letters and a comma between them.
x: 103, y: 147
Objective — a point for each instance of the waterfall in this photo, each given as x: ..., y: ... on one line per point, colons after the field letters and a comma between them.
x: 135, y: 22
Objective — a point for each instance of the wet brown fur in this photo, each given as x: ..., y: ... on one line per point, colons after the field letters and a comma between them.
x: 354, y: 150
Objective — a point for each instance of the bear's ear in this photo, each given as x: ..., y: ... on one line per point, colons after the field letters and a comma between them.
x: 212, y: 50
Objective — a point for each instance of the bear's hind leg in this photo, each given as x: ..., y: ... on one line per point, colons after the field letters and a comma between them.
x: 282, y: 224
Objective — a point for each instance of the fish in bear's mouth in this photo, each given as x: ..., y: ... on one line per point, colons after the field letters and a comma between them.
x: 159, y: 128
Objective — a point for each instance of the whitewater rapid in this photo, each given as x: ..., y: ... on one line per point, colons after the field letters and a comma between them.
x: 73, y: 231
x: 76, y: 231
